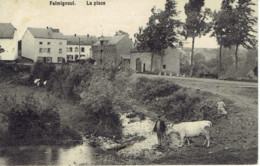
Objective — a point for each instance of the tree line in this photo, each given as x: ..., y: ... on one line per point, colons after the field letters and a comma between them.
x: 232, y: 25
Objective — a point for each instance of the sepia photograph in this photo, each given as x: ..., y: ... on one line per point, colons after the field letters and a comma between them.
x: 128, y: 82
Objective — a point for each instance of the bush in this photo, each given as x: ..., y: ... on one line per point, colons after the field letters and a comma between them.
x: 42, y: 70
x: 147, y: 89
x: 30, y: 123
x: 101, y: 119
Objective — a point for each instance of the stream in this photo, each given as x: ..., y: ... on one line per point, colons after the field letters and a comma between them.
x: 47, y: 155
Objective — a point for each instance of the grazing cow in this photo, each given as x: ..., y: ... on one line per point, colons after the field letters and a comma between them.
x: 191, y: 129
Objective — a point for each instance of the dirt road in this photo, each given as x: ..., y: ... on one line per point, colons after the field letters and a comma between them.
x: 234, y: 140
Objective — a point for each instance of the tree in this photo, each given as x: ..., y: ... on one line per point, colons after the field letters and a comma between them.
x: 223, y: 21
x: 120, y: 32
x: 161, y: 31
x: 243, y: 32
x: 195, y: 24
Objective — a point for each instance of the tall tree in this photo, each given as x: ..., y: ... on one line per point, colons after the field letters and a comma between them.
x: 243, y: 32
x: 161, y: 31
x: 223, y: 21
x: 195, y: 24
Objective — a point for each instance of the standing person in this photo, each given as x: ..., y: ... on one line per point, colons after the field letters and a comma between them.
x: 159, y: 128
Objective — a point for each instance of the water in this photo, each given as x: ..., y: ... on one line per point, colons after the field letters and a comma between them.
x: 47, y: 155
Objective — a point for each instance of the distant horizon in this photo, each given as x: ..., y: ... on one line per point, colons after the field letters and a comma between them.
x: 82, y: 19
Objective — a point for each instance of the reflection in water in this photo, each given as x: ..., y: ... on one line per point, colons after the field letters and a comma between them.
x: 46, y: 155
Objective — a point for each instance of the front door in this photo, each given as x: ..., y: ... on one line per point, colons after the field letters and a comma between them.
x: 138, y: 65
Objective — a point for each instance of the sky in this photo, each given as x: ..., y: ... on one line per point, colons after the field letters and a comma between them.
x: 82, y: 19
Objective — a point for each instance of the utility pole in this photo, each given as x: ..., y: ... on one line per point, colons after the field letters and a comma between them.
x: 101, y: 52
x: 79, y: 48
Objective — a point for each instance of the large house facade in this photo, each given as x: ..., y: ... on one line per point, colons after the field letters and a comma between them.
x: 8, y: 42
x: 110, y: 50
x: 79, y: 46
x: 44, y: 45
x: 168, y: 63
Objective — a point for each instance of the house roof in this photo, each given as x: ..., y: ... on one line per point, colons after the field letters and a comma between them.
x: 7, y: 30
x: 84, y: 39
x: 112, y: 40
x: 46, y: 33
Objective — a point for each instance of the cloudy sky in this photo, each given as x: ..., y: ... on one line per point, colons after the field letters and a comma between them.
x: 126, y: 15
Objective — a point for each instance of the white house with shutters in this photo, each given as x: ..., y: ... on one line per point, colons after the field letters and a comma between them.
x: 8, y: 42
x: 44, y: 44
x: 79, y: 46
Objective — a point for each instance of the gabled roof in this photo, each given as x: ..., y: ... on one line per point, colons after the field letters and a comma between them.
x: 7, y: 30
x: 46, y: 33
x: 111, y: 40
x: 84, y: 39
x: 115, y: 39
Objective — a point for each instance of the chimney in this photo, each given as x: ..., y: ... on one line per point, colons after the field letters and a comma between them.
x: 75, y: 35
x: 87, y: 35
x: 47, y: 27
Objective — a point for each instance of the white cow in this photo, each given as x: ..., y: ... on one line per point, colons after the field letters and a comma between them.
x: 192, y: 129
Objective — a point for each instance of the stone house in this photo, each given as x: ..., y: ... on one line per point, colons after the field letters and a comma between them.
x: 44, y: 44
x: 79, y: 46
x: 8, y: 42
x: 141, y: 61
x: 112, y: 50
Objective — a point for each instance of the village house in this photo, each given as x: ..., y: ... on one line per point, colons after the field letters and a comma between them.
x: 79, y: 46
x: 112, y: 50
x: 141, y: 61
x: 8, y: 42
x: 44, y: 44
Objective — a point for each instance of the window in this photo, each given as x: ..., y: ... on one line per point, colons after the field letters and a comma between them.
x: 76, y: 57
x: 60, y: 43
x: 49, y: 50
x: 70, y: 49
x: 40, y: 43
x: 40, y: 59
x: 40, y: 50
x: 60, y: 60
x: 49, y: 59
x: 82, y: 55
x: 49, y: 43
x: 76, y: 49
x: 82, y: 49
x: 69, y: 57
x: 60, y: 50
x: 164, y: 66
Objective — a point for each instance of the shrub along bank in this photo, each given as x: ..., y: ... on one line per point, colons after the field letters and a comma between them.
x: 28, y: 122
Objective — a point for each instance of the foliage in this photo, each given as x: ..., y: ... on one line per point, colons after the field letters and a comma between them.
x: 223, y: 21
x: 161, y: 30
x: 243, y: 30
x: 28, y: 122
x: 120, y: 32
x: 195, y: 24
x: 147, y: 90
x: 104, y: 98
x: 180, y: 104
x: 65, y: 81
x: 41, y: 71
